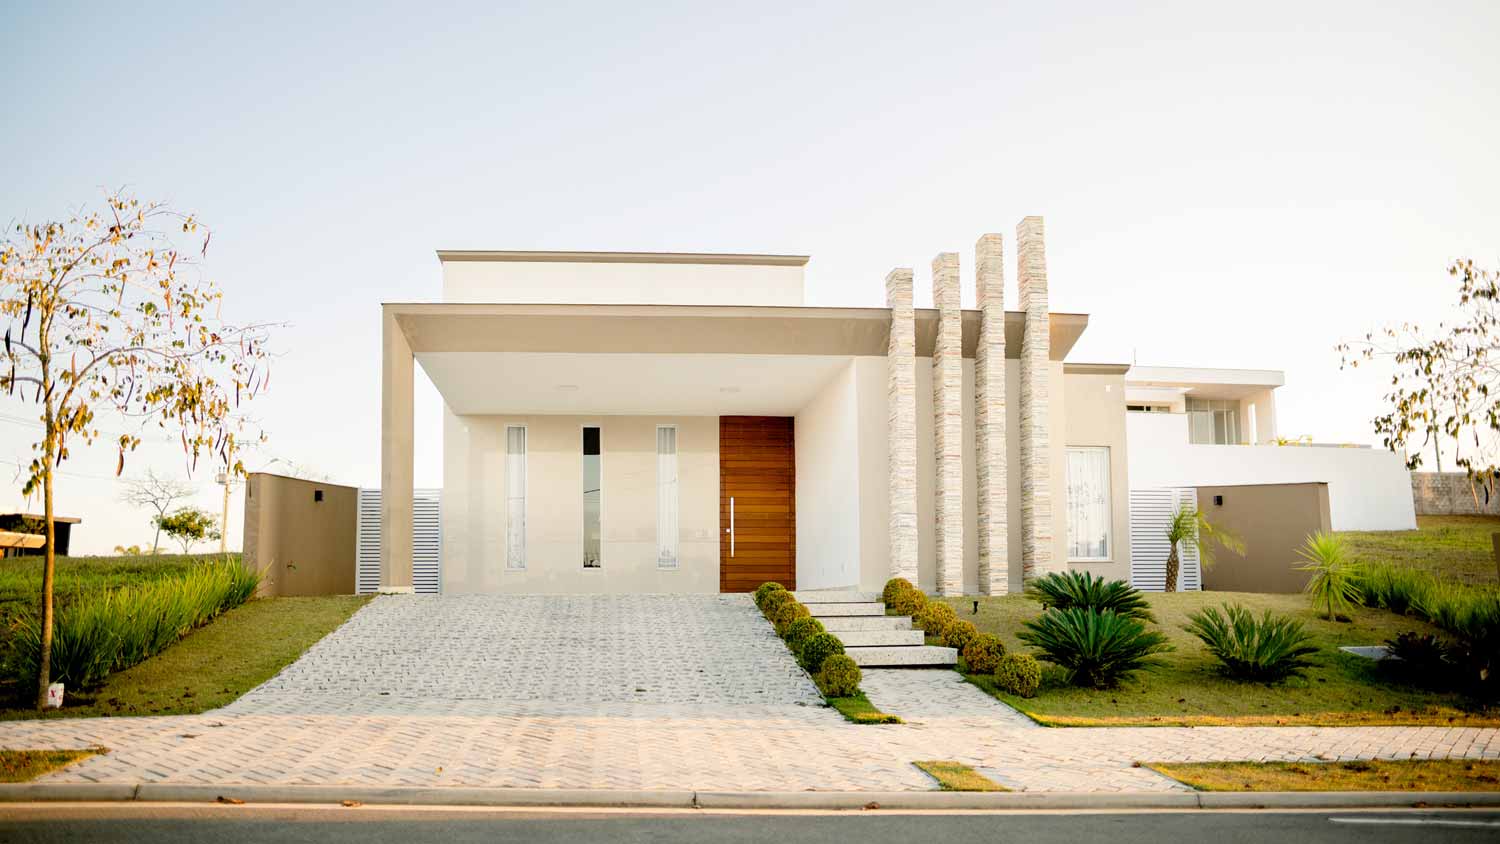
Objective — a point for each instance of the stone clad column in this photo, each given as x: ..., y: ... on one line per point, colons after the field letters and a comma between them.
x: 901, y: 399
x: 1036, y: 345
x: 948, y: 425
x: 989, y: 416
x: 397, y: 439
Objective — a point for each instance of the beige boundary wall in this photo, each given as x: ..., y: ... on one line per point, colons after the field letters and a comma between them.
x: 301, y: 545
x: 1274, y: 520
x: 1450, y: 494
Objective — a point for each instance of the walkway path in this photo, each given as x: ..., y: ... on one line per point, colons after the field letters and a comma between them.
x: 710, y: 701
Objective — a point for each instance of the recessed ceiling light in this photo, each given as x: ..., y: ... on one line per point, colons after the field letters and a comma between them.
x: 567, y: 388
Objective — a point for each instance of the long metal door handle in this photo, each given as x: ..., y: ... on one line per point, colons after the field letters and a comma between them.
x: 731, y: 526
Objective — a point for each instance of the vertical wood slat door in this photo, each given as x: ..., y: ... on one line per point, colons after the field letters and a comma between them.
x: 757, y: 468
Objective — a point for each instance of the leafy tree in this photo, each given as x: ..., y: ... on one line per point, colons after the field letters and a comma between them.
x: 1190, y: 526
x: 1445, y: 383
x: 189, y: 525
x: 108, y: 312
x: 157, y: 493
x: 129, y: 550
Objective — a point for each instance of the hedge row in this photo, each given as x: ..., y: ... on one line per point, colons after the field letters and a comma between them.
x: 819, y: 651
x: 983, y: 653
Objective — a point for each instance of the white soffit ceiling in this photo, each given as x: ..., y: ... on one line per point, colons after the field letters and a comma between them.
x: 617, y: 384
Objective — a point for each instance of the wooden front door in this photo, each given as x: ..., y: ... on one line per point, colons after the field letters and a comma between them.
x: 757, y: 486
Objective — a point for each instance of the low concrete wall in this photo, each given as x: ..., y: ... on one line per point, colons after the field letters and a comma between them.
x: 1274, y: 520
x: 300, y: 535
x: 1450, y: 494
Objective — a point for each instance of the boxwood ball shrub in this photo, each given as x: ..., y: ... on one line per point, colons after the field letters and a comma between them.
x: 959, y: 633
x: 934, y: 616
x: 839, y: 676
x: 1018, y: 674
x: 766, y: 589
x: 786, y: 614
x: 894, y: 587
x: 800, y: 631
x: 1097, y: 648
x: 907, y: 602
x: 775, y: 599
x: 817, y: 648
x: 983, y: 653
x: 1268, y: 649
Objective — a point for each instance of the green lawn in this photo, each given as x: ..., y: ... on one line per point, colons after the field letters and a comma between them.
x: 858, y: 709
x: 1188, y: 690
x: 211, y: 666
x: 21, y: 577
x: 24, y: 765
x: 1453, y: 547
x: 1374, y: 775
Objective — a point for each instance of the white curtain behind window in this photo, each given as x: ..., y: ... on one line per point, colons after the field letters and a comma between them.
x: 515, y: 497
x: 1088, y: 504
x: 666, y: 497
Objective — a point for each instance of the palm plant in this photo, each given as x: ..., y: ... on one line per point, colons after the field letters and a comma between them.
x: 1189, y: 525
x: 1097, y: 648
x: 1334, y: 584
x: 1063, y: 590
x: 1267, y: 650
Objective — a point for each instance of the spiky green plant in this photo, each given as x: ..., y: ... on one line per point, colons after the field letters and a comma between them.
x: 1333, y: 586
x: 1264, y: 650
x: 1065, y: 590
x: 1400, y: 589
x: 1189, y: 526
x: 1097, y: 648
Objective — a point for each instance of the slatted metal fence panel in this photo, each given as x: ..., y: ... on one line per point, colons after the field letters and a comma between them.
x: 1150, y: 514
x: 427, y: 542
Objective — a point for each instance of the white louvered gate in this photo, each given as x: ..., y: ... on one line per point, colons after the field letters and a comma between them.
x: 1150, y: 514
x: 426, y: 540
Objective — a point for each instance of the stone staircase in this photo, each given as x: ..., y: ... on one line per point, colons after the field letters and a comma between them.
x: 871, y: 637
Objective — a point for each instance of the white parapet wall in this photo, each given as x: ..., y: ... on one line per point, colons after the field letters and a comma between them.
x: 1368, y: 489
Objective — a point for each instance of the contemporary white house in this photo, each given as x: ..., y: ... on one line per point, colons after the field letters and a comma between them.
x: 1194, y: 427
x: 629, y: 422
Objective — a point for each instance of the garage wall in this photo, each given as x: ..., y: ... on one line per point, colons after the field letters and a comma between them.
x: 1273, y: 520
x: 299, y: 544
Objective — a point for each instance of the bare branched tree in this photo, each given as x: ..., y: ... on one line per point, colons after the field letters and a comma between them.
x: 155, y: 493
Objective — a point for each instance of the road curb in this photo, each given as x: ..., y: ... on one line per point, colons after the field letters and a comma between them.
x: 682, y: 799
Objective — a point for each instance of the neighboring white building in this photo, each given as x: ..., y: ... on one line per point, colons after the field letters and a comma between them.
x: 1190, y: 427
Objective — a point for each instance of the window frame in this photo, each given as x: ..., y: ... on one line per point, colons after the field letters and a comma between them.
x: 583, y: 538
x: 510, y: 566
x: 676, y: 563
x: 1109, y: 516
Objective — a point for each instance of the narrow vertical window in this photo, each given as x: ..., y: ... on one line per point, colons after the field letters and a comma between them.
x: 515, y: 497
x: 1088, y: 504
x: 593, y: 497
x: 666, y: 497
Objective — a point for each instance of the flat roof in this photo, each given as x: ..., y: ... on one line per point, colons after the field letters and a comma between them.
x: 72, y: 520
x: 1202, y: 376
x: 529, y: 256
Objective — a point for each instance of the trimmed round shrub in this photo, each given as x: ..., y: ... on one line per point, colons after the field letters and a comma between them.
x: 907, y: 602
x: 839, y: 676
x: 894, y: 587
x: 765, y: 589
x: 775, y: 599
x: 1018, y: 674
x: 983, y: 653
x: 817, y: 648
x: 959, y: 633
x: 934, y: 616
x: 787, y: 613
x: 800, y: 631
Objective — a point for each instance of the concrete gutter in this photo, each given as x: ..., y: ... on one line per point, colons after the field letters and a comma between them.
x: 762, y: 800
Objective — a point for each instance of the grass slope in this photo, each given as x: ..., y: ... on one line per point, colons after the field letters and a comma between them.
x: 24, y: 765
x: 1188, y: 689
x: 1454, y: 547
x: 212, y: 666
x: 21, y: 577
x: 1375, y: 775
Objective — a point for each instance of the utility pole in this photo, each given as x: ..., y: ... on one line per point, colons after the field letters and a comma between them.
x: 223, y: 478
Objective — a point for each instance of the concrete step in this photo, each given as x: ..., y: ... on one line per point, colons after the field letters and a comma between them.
x: 830, y: 610
x: 841, y: 624
x: 873, y: 638
x: 903, y: 657
x: 836, y: 596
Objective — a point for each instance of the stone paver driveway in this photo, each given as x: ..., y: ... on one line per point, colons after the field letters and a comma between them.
x: 687, y: 692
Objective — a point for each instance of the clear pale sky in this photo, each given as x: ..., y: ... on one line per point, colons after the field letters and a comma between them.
x: 1230, y: 186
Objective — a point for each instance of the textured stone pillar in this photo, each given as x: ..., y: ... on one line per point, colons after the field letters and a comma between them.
x: 901, y: 397
x: 948, y: 426
x: 989, y: 416
x: 1036, y: 346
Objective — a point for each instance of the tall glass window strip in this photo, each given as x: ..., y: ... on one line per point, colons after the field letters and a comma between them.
x: 515, y: 497
x: 1213, y: 421
x: 1088, y: 504
x: 666, y: 497
x: 593, y: 498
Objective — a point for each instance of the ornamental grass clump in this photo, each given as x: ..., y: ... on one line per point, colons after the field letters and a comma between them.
x: 817, y: 648
x: 1399, y: 589
x: 1018, y: 674
x: 786, y: 614
x: 959, y: 633
x: 1098, y: 649
x: 1268, y: 649
x: 934, y: 616
x: 983, y: 653
x: 99, y: 633
x: 1065, y: 590
x: 839, y: 676
x: 764, y: 590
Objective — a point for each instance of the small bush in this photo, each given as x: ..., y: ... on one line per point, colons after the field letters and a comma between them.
x: 1065, y: 590
x: 1400, y: 589
x: 1018, y: 674
x: 788, y: 612
x: 765, y: 589
x: 1098, y: 649
x: 1418, y: 657
x: 934, y: 616
x: 895, y: 586
x: 839, y: 676
x: 774, y: 599
x: 817, y: 648
x: 907, y: 603
x: 1266, y: 650
x: 983, y: 653
x: 1472, y: 618
x: 959, y: 633
x: 800, y: 631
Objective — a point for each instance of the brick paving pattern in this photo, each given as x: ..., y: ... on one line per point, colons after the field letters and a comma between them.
x: 367, y: 706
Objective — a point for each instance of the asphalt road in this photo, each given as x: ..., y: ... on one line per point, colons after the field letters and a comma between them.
x: 367, y: 825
